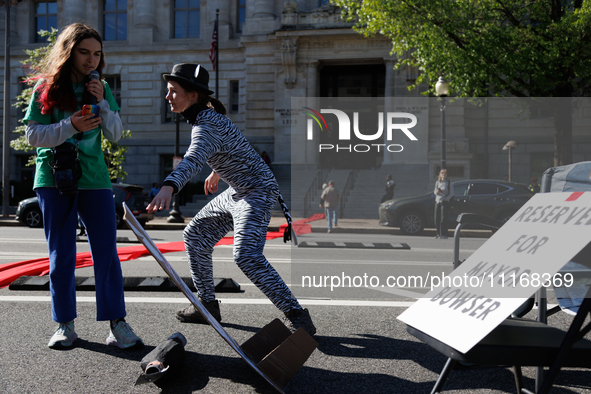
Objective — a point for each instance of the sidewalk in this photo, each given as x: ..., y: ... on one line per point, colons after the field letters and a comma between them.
x: 350, y: 226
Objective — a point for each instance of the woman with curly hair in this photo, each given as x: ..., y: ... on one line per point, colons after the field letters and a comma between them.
x: 56, y: 124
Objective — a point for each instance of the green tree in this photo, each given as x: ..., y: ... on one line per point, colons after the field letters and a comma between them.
x: 114, y: 153
x: 538, y: 48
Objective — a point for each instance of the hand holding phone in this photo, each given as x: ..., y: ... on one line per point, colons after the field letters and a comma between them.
x: 88, y: 109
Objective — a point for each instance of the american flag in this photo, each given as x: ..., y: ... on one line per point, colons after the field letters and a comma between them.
x: 214, y: 46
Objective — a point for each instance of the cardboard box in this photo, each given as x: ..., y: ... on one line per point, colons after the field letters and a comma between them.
x: 279, y: 353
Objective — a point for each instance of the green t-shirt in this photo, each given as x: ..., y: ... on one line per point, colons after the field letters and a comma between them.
x: 95, y: 174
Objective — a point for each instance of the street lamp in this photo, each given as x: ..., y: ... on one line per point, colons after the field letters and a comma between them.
x: 175, y: 213
x: 6, y: 113
x: 509, y: 146
x: 442, y: 90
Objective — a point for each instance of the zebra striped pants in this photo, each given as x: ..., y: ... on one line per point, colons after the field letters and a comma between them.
x: 249, y: 215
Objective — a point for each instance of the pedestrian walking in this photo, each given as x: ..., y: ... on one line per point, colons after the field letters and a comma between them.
x: 244, y: 207
x: 71, y: 179
x: 331, y: 197
x: 324, y: 185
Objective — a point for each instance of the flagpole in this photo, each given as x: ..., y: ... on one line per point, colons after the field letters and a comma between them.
x: 217, y: 55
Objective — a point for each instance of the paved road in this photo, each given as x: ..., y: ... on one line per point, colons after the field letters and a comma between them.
x: 362, y: 348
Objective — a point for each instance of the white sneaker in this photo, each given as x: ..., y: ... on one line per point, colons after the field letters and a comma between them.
x: 64, y: 336
x: 123, y: 336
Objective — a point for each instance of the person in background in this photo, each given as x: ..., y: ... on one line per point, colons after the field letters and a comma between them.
x: 534, y: 186
x: 324, y: 185
x: 245, y: 206
x: 330, y: 196
x: 443, y: 194
x: 53, y: 118
x: 389, y: 189
x: 155, y: 189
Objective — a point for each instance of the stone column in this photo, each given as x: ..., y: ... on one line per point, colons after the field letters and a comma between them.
x: 261, y: 17
x: 145, y: 14
x: 390, y: 77
x: 72, y: 11
x: 312, y: 101
x: 225, y: 27
x: 312, y: 79
x: 389, y: 101
x: 141, y: 22
x: 264, y: 9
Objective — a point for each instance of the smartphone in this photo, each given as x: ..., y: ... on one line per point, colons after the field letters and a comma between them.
x: 88, y: 109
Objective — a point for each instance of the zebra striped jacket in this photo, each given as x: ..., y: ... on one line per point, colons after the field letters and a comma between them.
x: 215, y: 140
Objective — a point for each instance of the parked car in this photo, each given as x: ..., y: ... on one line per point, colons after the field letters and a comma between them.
x: 134, y: 196
x: 136, y: 199
x: 495, y: 199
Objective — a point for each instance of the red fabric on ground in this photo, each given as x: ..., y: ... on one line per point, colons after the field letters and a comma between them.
x: 38, y: 267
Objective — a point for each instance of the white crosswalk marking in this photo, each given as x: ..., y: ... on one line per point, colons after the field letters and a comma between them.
x: 225, y: 301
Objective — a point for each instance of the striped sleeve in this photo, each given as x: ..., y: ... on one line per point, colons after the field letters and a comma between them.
x: 204, y: 143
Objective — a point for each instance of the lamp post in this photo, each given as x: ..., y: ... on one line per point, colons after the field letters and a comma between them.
x: 6, y: 115
x: 442, y: 90
x: 175, y: 213
x: 509, y: 146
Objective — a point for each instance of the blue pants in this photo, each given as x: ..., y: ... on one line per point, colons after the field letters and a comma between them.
x: 331, y: 216
x: 97, y: 211
x: 249, y: 216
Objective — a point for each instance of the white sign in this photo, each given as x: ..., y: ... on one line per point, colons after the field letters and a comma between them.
x: 521, y: 257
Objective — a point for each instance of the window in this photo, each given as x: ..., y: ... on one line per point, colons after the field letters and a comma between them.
x: 461, y: 189
x: 186, y: 18
x: 234, y: 97
x: 114, y: 82
x: 240, y: 15
x: 486, y: 188
x: 45, y: 18
x: 115, y: 20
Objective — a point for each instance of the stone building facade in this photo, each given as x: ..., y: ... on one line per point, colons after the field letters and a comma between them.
x: 270, y: 51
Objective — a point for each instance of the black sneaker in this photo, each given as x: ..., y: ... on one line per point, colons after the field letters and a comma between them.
x: 192, y: 315
x: 297, y: 318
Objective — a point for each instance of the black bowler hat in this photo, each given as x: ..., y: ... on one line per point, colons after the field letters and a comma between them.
x: 192, y: 74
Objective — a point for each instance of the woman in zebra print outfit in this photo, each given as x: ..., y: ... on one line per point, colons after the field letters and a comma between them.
x: 244, y: 207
